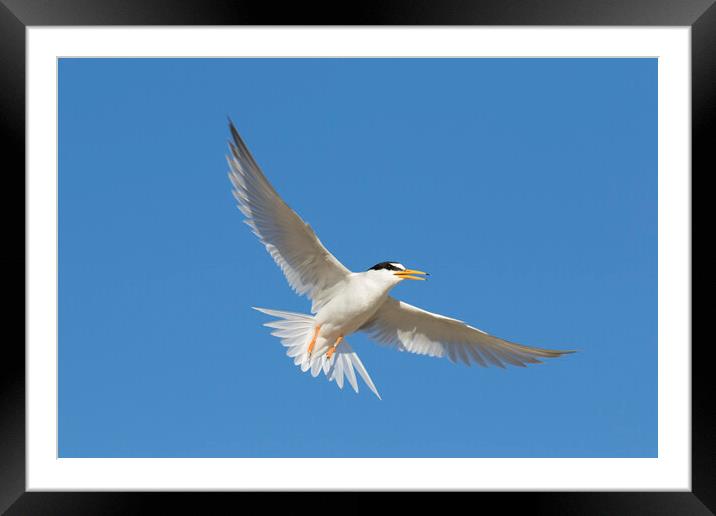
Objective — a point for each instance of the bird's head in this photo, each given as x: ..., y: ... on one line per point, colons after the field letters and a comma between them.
x: 397, y: 272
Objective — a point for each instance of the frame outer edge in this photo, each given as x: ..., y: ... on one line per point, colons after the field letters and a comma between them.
x: 12, y: 122
x: 366, y: 12
x: 703, y: 120
x: 12, y: 361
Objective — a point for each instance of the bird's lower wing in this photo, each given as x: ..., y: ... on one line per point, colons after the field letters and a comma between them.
x: 412, y: 329
x: 308, y: 266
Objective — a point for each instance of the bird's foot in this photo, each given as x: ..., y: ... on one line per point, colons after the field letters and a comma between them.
x: 313, y: 340
x: 333, y: 348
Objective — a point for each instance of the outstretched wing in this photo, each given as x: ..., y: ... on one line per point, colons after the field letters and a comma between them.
x: 411, y: 329
x: 308, y: 266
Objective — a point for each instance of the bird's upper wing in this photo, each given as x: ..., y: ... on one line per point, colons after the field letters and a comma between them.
x: 411, y: 329
x: 308, y: 266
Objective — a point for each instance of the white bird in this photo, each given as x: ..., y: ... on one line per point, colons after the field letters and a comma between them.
x: 345, y: 302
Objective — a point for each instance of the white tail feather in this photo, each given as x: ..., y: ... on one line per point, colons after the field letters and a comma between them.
x: 295, y: 331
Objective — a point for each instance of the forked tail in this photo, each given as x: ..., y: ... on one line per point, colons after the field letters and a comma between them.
x: 295, y: 331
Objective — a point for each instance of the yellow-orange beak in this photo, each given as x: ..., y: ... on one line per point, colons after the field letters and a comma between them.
x: 410, y: 274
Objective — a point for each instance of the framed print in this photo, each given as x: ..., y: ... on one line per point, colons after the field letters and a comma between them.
x: 537, y: 162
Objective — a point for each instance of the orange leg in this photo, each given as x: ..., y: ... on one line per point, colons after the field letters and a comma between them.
x: 313, y: 339
x: 332, y: 349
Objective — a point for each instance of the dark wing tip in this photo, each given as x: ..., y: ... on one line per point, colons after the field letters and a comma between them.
x: 232, y: 128
x: 556, y: 353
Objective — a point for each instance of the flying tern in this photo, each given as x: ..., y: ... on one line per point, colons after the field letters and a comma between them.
x: 345, y: 302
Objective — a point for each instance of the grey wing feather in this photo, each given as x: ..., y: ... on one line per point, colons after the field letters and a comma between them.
x: 309, y: 267
x: 412, y: 329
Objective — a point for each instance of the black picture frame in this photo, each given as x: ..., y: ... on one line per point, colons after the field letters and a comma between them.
x: 17, y: 15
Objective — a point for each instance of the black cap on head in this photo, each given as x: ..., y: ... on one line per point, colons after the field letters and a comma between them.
x: 391, y: 266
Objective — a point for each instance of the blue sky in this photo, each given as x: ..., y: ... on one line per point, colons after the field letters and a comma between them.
x: 526, y: 187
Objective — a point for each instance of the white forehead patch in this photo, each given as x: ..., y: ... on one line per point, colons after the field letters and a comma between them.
x: 398, y: 265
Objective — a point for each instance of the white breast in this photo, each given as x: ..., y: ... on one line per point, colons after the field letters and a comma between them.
x: 353, y: 304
